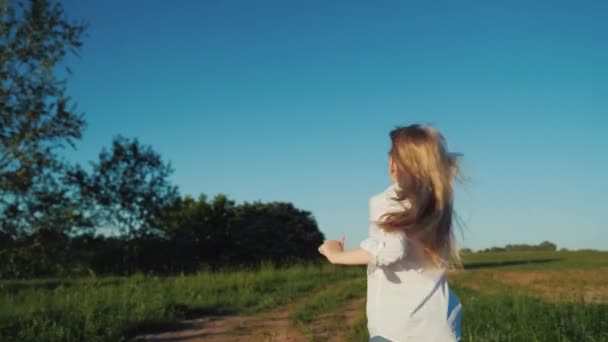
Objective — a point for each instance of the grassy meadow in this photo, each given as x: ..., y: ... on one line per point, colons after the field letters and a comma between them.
x: 514, y: 296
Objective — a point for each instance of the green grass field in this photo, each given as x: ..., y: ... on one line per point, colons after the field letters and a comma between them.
x: 525, y: 296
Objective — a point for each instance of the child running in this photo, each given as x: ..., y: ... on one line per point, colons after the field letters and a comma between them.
x: 411, y: 243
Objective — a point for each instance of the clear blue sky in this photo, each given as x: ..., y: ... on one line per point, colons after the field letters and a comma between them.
x: 293, y: 101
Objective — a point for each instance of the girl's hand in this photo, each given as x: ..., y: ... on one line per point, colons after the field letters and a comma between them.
x: 330, y: 248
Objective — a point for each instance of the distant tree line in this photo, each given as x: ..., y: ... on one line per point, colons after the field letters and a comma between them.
x: 543, y: 246
x: 120, y: 214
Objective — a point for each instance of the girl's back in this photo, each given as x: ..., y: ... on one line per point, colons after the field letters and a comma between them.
x: 407, y: 298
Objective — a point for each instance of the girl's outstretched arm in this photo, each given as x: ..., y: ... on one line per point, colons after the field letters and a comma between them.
x: 334, y: 251
x: 357, y: 256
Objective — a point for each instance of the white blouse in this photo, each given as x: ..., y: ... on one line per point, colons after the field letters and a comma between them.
x: 407, y: 299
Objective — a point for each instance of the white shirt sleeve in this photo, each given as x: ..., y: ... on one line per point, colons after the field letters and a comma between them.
x: 386, y: 248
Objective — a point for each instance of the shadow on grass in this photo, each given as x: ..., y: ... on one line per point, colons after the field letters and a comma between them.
x: 191, y: 313
x: 189, y: 337
x: 505, y: 263
x: 136, y: 331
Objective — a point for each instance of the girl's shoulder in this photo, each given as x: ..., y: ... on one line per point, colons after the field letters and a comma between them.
x: 386, y: 202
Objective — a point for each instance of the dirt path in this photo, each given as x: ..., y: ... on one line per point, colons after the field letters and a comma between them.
x: 274, y: 325
x: 335, y: 326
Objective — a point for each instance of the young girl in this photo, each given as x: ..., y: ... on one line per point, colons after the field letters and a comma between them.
x: 411, y: 241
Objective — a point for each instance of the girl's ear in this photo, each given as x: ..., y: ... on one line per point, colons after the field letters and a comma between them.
x: 392, y: 167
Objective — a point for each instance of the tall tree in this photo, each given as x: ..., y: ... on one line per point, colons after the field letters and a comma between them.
x: 37, y: 118
x: 131, y: 186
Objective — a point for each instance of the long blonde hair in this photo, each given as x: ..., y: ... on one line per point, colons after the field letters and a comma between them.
x: 425, y: 173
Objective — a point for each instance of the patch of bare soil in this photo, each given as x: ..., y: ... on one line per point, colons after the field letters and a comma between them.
x: 273, y: 326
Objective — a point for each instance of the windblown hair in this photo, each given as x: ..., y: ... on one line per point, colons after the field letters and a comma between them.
x: 420, y: 152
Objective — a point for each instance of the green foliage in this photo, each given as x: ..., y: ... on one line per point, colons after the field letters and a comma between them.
x: 39, y: 204
x: 221, y: 232
x: 274, y: 231
x: 190, y: 234
x: 41, y: 254
x: 198, y: 229
x: 36, y: 119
